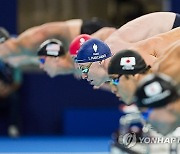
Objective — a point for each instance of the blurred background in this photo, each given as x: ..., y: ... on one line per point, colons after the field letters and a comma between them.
x: 64, y: 105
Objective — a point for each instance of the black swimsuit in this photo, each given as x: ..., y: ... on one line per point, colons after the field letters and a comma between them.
x: 176, y: 21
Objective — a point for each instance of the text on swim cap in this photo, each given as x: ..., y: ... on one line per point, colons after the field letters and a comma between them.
x: 97, y: 57
x: 156, y: 98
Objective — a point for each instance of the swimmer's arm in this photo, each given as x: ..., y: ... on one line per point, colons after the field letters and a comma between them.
x: 104, y: 33
x: 146, y: 26
x: 33, y: 37
x: 140, y: 29
x: 30, y: 39
x: 74, y: 27
x: 8, y: 48
x: 22, y: 60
